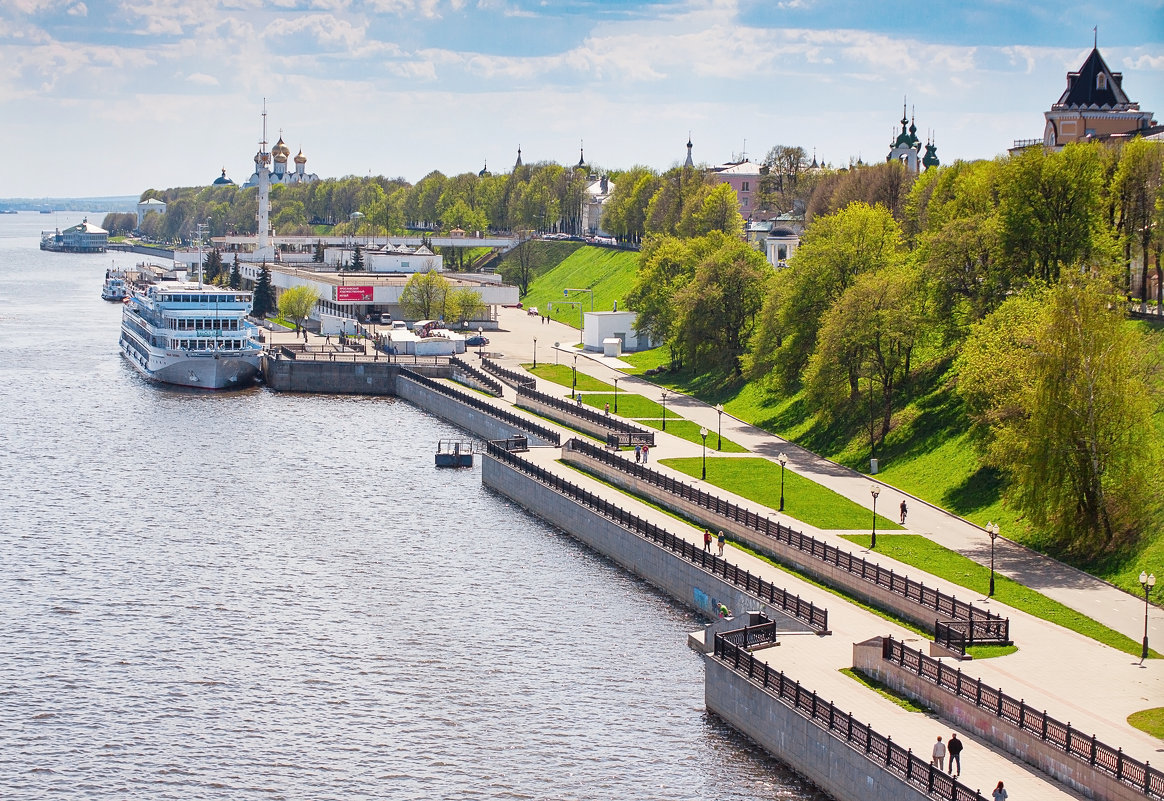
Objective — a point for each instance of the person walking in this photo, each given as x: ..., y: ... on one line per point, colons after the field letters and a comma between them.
x: 999, y: 793
x: 939, y: 754
x: 646, y: 450
x: 720, y: 540
x: 638, y: 453
x: 707, y: 540
x: 954, y: 749
x: 904, y: 511
x: 607, y: 410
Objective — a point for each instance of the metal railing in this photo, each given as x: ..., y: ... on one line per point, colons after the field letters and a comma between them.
x: 1071, y: 741
x: 486, y: 381
x: 877, y: 748
x: 504, y: 415
x: 514, y: 379
x: 805, y: 611
x: 516, y: 444
x: 752, y: 637
x: 580, y: 412
x: 994, y: 629
x: 301, y: 353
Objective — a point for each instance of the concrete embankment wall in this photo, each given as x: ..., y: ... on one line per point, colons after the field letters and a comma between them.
x: 818, y: 569
x: 473, y: 420
x: 832, y: 765
x: 682, y: 580
x: 302, y: 375
x: 553, y: 413
x: 1075, y: 773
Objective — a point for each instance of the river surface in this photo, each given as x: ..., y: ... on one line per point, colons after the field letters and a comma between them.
x: 260, y: 596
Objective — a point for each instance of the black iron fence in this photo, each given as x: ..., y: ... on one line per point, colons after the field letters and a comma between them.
x: 1102, y: 757
x: 993, y: 629
x: 877, y: 748
x: 325, y: 354
x: 752, y: 637
x: 514, y: 379
x: 793, y: 605
x: 580, y: 412
x: 504, y: 415
x: 515, y: 444
x: 489, y: 383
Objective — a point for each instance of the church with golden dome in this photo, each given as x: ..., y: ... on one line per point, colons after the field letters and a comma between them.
x: 279, y: 173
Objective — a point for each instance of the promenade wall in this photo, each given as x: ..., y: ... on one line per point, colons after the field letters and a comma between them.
x: 345, y: 378
x: 476, y: 421
x: 868, y: 657
x: 832, y: 765
x: 686, y: 582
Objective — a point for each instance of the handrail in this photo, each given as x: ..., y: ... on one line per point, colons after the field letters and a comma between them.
x: 1069, y: 740
x: 537, y: 429
x: 911, y: 590
x: 880, y: 749
x: 815, y: 618
x: 514, y: 379
x: 493, y: 385
x: 592, y: 416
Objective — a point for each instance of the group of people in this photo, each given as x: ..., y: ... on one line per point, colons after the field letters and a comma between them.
x: 720, y: 540
x: 953, y: 752
x: 641, y: 452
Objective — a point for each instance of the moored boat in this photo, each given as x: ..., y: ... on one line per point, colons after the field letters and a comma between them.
x: 115, y: 288
x: 191, y: 335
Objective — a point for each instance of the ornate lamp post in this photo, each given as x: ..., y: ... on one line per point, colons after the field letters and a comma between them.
x: 535, y: 352
x: 783, y: 459
x: 664, y: 410
x: 1147, y: 581
x: 992, y: 530
x: 874, y: 490
x: 481, y: 340
x: 616, y: 396
x: 703, y: 433
x: 719, y: 428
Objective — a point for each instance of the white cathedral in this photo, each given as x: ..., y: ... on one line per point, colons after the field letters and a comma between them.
x: 280, y: 174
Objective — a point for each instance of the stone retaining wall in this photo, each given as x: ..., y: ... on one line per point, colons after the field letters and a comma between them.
x: 475, y: 421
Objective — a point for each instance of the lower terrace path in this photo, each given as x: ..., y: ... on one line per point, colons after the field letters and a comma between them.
x: 1093, y: 597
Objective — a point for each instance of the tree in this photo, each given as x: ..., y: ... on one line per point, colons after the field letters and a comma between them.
x: 523, y: 273
x: 424, y: 296
x: 235, y: 275
x: 297, y: 302
x: 264, y: 298
x: 720, y: 211
x: 666, y: 265
x: 212, y: 267
x: 318, y: 257
x: 1055, y: 380
x: 1138, y: 187
x: 464, y: 304
x: 358, y: 260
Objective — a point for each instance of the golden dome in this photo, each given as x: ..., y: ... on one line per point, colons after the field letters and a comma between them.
x: 280, y: 149
x: 301, y: 159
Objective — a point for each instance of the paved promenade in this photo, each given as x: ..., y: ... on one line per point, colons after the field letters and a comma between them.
x: 1073, y: 678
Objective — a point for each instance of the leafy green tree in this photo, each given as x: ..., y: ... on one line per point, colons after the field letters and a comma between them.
x: 523, y: 269
x: 464, y: 304
x: 720, y: 211
x: 297, y: 302
x: 1049, y: 209
x: 834, y: 250
x: 716, y: 310
x: 424, y: 296
x: 263, y: 302
x: 1138, y: 187
x: 666, y: 265
x: 1056, y: 382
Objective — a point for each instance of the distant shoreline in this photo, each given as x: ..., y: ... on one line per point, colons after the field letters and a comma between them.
x: 122, y: 203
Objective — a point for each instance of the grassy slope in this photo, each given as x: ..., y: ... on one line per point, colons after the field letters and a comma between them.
x: 610, y: 273
x: 543, y: 256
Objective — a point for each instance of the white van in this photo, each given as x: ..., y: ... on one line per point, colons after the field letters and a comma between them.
x: 399, y: 325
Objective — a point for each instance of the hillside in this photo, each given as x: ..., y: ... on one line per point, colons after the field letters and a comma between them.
x: 610, y: 274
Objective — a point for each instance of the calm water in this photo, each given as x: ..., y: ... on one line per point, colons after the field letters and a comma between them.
x: 252, y: 595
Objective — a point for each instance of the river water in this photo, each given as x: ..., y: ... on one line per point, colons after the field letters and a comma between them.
x: 260, y: 596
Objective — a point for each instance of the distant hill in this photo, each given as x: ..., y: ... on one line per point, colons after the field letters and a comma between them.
x: 117, y: 203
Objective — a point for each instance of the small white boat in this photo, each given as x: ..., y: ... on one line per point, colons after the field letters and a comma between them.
x: 116, y: 287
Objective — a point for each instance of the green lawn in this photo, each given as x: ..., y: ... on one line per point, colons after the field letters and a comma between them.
x: 610, y: 274
x: 916, y: 550
x: 759, y: 480
x: 1150, y: 721
x: 885, y: 691
x: 629, y: 404
x: 689, y: 430
x: 563, y: 374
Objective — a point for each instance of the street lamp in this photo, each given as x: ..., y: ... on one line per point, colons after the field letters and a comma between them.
x: 535, y: 353
x: 783, y: 459
x: 664, y: 410
x: 556, y: 344
x: 703, y: 433
x: 616, y: 396
x: 874, y: 490
x: 1147, y: 581
x: 480, y: 342
x: 992, y: 530
x: 574, y: 380
x: 719, y: 430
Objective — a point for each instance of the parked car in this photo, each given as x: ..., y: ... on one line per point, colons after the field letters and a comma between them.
x: 532, y: 311
x: 511, y: 305
x: 476, y: 341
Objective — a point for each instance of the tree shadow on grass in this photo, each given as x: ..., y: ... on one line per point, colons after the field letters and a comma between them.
x: 981, y: 489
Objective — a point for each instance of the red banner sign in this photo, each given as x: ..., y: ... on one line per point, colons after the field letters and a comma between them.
x: 357, y: 294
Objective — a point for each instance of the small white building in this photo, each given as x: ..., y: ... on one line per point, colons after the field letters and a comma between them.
x: 602, y: 325
x: 146, y: 206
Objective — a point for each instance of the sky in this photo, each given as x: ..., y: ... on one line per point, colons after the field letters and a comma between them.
x: 113, y: 97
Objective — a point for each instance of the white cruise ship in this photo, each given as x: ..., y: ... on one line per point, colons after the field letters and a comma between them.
x: 192, y: 335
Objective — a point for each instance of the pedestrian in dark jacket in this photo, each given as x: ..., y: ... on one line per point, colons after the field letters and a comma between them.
x: 954, y: 749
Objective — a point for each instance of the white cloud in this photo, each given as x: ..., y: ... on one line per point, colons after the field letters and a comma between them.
x: 202, y: 79
x: 1145, y: 62
x: 78, y: 10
